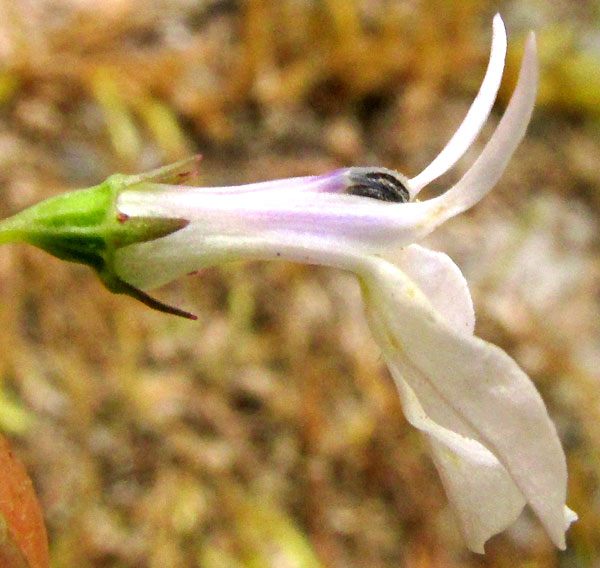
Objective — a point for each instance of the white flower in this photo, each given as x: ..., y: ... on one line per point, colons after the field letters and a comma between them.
x: 489, y: 432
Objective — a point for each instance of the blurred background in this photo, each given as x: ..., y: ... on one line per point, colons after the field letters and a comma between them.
x: 268, y: 433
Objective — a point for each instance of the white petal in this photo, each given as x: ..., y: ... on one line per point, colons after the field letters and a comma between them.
x: 481, y: 492
x: 482, y: 385
x: 483, y: 495
x: 488, y: 168
x: 438, y: 277
x: 476, y: 117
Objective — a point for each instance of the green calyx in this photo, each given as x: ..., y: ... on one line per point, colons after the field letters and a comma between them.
x: 84, y: 226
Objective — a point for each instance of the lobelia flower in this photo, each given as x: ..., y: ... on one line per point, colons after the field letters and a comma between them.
x: 488, y: 430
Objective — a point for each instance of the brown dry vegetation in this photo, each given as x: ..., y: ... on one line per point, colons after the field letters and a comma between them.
x: 268, y: 433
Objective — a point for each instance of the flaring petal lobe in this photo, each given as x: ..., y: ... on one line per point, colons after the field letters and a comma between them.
x: 481, y: 384
x: 438, y: 277
x: 476, y: 117
x: 489, y: 166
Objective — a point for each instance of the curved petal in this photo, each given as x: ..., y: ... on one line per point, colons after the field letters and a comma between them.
x: 481, y: 492
x: 481, y: 385
x: 488, y: 168
x: 438, y: 277
x: 476, y: 117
